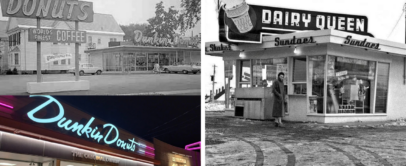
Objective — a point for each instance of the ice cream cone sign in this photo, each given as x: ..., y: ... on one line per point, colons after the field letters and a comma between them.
x: 237, y: 11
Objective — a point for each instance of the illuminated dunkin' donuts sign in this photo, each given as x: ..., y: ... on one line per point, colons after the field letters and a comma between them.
x: 246, y: 23
x: 106, y: 133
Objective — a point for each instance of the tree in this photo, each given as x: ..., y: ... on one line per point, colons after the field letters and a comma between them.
x: 165, y: 23
x: 190, y: 15
x: 129, y: 30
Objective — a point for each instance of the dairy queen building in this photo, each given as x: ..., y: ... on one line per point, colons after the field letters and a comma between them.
x: 335, y: 71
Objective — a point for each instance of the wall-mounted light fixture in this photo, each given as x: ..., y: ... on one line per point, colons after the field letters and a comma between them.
x: 296, y: 51
x: 242, y: 54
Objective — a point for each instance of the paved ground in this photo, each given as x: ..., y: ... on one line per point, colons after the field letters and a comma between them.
x: 236, y: 141
x: 119, y: 84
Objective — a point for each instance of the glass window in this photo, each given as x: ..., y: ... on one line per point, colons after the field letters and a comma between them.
x: 180, y: 58
x: 68, y: 61
x: 382, y: 88
x: 245, y: 71
x: 299, y: 70
x: 99, y: 41
x: 63, y: 61
x: 265, y: 71
x: 16, y: 59
x: 55, y: 62
x: 316, y: 83
x: 349, y: 84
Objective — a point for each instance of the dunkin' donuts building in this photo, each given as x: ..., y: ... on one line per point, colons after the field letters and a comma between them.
x: 335, y: 71
x: 39, y: 130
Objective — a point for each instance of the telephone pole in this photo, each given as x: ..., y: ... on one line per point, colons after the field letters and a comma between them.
x: 213, y: 78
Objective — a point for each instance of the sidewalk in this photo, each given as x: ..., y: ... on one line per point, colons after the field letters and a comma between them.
x: 218, y: 108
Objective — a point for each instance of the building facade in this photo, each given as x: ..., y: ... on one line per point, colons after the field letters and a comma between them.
x: 330, y: 76
x: 22, y: 53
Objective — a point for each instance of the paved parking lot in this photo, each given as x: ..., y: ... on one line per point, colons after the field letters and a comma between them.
x: 116, y: 84
x: 234, y: 141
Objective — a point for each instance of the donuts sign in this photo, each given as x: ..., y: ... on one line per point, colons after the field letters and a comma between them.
x: 66, y: 10
x: 246, y: 23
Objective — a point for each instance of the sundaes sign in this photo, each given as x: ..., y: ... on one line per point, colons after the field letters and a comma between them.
x: 87, y: 130
x: 361, y: 43
x: 242, y: 22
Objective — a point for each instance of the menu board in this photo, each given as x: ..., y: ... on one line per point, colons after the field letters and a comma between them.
x: 271, y: 72
x: 228, y: 69
x: 257, y: 74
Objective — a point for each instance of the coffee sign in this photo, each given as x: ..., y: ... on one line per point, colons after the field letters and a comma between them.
x: 65, y: 10
x: 271, y: 20
x: 56, y: 35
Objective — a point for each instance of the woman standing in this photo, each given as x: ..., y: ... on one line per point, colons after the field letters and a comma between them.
x: 278, y: 89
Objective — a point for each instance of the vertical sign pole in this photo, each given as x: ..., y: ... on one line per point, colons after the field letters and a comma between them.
x: 39, y: 76
x: 76, y: 54
x: 214, y: 82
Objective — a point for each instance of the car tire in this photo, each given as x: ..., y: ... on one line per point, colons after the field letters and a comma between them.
x: 81, y: 73
x: 98, y: 72
x: 195, y: 72
x: 167, y: 70
x: 185, y: 72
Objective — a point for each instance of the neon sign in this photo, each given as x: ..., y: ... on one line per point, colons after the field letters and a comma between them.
x: 85, y: 129
x: 5, y: 105
x: 188, y: 147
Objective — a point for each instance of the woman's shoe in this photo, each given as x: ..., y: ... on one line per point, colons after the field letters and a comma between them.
x: 276, y: 124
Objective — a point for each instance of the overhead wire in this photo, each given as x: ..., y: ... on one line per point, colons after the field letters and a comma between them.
x: 164, y: 129
x: 397, y: 22
x: 175, y: 130
x: 174, y: 118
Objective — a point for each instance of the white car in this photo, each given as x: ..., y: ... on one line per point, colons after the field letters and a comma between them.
x: 86, y: 68
x: 185, y: 69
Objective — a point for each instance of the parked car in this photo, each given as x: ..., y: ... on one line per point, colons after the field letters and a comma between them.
x: 86, y: 68
x: 185, y: 69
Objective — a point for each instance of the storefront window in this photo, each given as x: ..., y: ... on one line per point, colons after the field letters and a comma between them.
x: 181, y: 58
x: 349, y: 83
x: 129, y: 61
x: 315, y: 85
x: 152, y: 59
x: 187, y: 60
x: 299, y: 76
x: 265, y: 71
x: 382, y: 88
x: 245, y: 71
x: 163, y: 59
x: 141, y: 61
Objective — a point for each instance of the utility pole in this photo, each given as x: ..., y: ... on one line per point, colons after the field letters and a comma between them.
x: 213, y: 78
x: 404, y: 58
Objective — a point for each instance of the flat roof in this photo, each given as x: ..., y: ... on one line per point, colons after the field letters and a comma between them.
x: 141, y: 48
x: 319, y: 37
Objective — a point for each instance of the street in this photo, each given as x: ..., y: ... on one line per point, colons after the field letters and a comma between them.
x: 108, y: 84
x: 237, y: 141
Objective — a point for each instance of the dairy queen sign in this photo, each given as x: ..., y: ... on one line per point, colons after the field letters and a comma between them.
x: 240, y: 22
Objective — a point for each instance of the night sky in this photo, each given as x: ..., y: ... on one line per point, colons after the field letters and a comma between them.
x: 171, y: 119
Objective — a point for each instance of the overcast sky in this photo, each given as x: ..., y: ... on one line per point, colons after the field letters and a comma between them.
x: 132, y: 11
x: 382, y: 16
